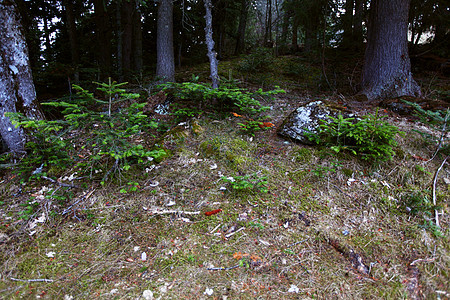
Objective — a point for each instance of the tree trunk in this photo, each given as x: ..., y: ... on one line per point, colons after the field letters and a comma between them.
x: 387, y: 68
x: 72, y: 31
x: 212, y: 55
x: 165, y: 65
x: 103, y: 23
x: 284, y: 29
x: 137, y: 40
x: 348, y: 23
x: 17, y: 93
x: 127, y: 37
x: 240, y: 41
x: 119, y: 34
x: 268, y: 32
x: 295, y: 24
x: 358, y: 24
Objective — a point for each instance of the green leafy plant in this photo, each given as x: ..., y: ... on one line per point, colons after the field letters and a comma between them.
x: 107, y: 138
x: 132, y: 187
x: 247, y: 182
x: 370, y: 137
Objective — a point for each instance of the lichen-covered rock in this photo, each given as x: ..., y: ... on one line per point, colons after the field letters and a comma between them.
x: 307, y: 118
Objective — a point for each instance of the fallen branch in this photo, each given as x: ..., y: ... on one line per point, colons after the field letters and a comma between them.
x: 86, y: 196
x: 436, y: 213
x: 223, y: 268
x: 234, y: 232
x: 31, y: 280
x: 158, y: 211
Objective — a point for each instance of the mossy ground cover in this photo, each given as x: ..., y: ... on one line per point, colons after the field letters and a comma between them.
x: 298, y: 239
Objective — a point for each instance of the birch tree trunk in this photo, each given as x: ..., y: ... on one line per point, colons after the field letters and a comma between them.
x: 212, y: 55
x: 165, y: 65
x: 387, y: 68
x: 17, y: 93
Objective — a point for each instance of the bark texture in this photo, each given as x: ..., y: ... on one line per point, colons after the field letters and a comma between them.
x: 165, y: 65
x: 17, y: 93
x: 387, y: 68
x: 240, y: 40
x: 212, y: 55
x: 104, y: 35
x: 73, y: 40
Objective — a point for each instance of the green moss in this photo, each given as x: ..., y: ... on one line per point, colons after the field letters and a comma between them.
x: 347, y: 172
x: 303, y: 155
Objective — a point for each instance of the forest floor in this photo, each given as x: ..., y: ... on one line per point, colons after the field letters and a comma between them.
x: 329, y: 225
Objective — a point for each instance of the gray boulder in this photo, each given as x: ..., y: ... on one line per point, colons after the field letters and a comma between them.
x: 307, y: 118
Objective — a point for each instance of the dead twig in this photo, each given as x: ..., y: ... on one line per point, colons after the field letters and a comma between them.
x: 436, y: 213
x: 31, y: 280
x: 223, y: 268
x: 85, y: 197
x: 160, y: 211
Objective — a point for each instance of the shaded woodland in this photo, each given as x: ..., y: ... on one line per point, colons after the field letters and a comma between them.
x: 147, y: 149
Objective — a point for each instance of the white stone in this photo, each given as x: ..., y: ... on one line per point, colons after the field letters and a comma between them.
x: 293, y: 289
x: 208, y: 291
x: 147, y: 295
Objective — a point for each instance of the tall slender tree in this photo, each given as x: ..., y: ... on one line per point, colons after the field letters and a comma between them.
x: 212, y: 55
x: 387, y: 68
x: 165, y: 65
x: 73, y: 39
x: 17, y: 93
x: 240, y: 39
x: 104, y: 36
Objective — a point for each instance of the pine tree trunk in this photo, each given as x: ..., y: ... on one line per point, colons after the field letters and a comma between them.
x: 387, y: 68
x: 348, y: 23
x: 240, y: 41
x: 212, y: 55
x: 17, y: 93
x: 72, y: 31
x: 137, y: 40
x: 284, y: 29
x: 295, y: 24
x: 103, y: 23
x: 358, y: 24
x: 127, y: 37
x: 119, y: 34
x: 165, y: 65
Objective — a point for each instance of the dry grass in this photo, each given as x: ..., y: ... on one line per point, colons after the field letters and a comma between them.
x: 296, y: 241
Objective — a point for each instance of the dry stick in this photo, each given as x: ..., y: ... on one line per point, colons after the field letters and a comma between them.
x: 436, y: 214
x: 222, y: 268
x: 31, y: 280
x: 162, y: 212
x: 85, y: 197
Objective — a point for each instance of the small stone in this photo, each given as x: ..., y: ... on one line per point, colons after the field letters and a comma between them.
x: 293, y: 289
x: 147, y: 295
x: 208, y: 291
